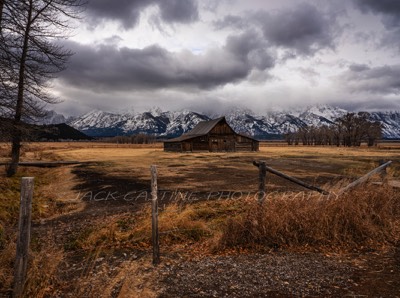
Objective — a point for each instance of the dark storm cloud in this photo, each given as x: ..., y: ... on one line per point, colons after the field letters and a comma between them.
x: 125, y: 11
x: 389, y: 10
x: 250, y: 48
x: 303, y: 30
x: 179, y: 11
x: 381, y: 80
x: 128, y: 12
x: 108, y: 68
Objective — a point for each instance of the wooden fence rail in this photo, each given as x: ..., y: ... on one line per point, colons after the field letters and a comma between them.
x: 365, y: 178
x: 263, y: 167
x: 44, y: 164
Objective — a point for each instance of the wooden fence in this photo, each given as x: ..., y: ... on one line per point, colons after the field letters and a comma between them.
x: 24, y: 226
x: 263, y: 169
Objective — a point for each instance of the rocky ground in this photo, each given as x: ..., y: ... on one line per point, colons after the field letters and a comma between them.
x: 284, y: 274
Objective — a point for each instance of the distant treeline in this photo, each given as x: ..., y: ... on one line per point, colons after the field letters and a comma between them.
x: 349, y: 130
x: 133, y: 139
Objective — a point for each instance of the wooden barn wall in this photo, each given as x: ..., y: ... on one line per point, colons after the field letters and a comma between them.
x: 200, y: 143
x: 220, y: 139
x: 222, y: 143
x: 222, y: 129
x: 175, y: 147
x: 256, y: 146
x: 246, y: 144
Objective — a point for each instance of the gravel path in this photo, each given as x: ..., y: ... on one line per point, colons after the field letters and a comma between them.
x: 259, y: 275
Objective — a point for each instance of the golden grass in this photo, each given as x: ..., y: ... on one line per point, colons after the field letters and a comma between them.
x: 232, y: 171
x: 132, y: 279
x: 42, y: 271
x: 49, y: 187
x: 138, y: 280
x: 367, y: 217
x: 179, y: 224
x: 7, y: 256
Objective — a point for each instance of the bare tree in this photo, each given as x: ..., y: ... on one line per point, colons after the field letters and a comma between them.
x: 349, y: 130
x: 1, y: 11
x: 31, y: 56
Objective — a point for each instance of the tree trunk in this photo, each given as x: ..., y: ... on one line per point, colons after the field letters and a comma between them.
x: 1, y: 13
x: 16, y: 139
x: 15, y: 153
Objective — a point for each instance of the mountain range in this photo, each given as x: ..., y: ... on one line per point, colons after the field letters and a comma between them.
x: 167, y: 124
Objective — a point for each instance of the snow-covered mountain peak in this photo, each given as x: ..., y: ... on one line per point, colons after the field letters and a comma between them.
x: 174, y: 123
x: 325, y: 111
x: 155, y: 111
x: 96, y: 118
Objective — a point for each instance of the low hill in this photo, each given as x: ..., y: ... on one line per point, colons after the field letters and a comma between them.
x: 33, y: 132
x: 58, y: 132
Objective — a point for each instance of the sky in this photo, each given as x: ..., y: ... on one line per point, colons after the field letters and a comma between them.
x: 211, y: 56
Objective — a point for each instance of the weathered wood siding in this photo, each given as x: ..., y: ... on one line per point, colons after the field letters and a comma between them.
x: 222, y: 128
x: 174, y: 147
x: 246, y: 144
x: 220, y: 138
x: 201, y: 143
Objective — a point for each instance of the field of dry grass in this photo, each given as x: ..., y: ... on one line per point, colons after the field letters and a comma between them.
x: 207, y: 208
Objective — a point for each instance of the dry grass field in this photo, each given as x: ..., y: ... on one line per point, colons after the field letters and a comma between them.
x: 92, y: 221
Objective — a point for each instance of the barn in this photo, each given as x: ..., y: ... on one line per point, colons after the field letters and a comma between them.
x: 213, y: 136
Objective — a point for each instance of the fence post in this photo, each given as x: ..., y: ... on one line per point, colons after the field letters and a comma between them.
x: 24, y: 235
x: 154, y: 216
x: 383, y: 173
x: 262, y: 167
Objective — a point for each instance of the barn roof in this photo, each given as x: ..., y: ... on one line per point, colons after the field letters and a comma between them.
x: 202, y: 128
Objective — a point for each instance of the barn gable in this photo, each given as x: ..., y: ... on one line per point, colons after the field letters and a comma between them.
x: 214, y: 136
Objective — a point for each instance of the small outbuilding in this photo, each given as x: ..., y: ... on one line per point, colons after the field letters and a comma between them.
x: 213, y: 136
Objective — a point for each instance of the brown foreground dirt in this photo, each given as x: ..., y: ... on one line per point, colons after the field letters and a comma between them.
x: 126, y: 271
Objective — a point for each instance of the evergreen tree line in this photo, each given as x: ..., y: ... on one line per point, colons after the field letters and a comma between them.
x: 349, y: 130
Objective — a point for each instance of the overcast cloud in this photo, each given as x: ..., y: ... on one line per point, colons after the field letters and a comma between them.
x: 378, y: 80
x: 128, y: 13
x: 259, y: 54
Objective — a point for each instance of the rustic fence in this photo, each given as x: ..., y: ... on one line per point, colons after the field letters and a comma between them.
x: 262, y: 176
x: 27, y: 183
